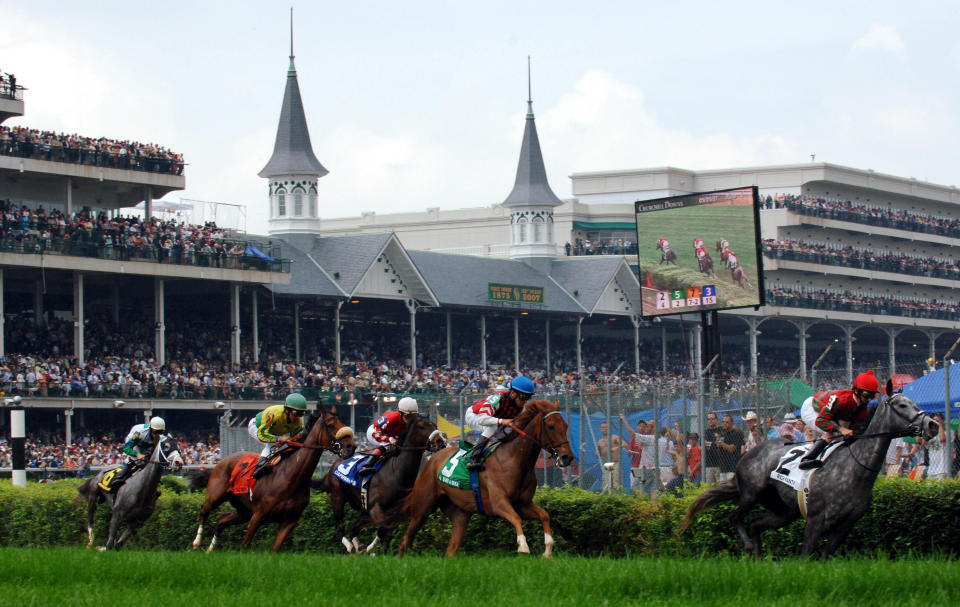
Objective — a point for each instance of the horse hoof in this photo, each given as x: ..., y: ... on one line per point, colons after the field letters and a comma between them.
x: 102, y: 548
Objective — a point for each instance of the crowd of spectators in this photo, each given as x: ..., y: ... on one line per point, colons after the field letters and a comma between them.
x: 90, y: 451
x: 24, y: 142
x: 27, y: 230
x: 865, y: 259
x: 8, y: 86
x: 608, y: 246
x: 872, y: 214
x: 855, y: 301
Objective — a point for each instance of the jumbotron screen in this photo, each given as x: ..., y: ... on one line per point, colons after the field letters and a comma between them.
x: 700, y: 252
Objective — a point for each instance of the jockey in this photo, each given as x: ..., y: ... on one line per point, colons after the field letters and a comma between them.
x: 697, y: 243
x: 822, y: 412
x: 384, y: 432
x: 140, y: 442
x: 276, y: 425
x: 731, y: 259
x: 494, y: 411
x: 664, y: 243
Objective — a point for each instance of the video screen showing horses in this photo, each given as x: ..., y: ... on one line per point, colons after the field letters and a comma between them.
x: 699, y: 252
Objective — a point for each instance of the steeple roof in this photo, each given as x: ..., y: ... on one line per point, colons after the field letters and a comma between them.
x: 292, y: 152
x: 531, y: 188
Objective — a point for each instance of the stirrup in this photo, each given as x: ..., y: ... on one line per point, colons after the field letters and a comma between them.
x: 262, y: 468
x: 475, y: 465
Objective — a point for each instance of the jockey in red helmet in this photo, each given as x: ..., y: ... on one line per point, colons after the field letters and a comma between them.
x: 822, y: 412
x: 697, y: 243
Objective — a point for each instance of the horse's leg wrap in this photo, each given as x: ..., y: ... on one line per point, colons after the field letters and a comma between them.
x: 522, y: 544
x: 199, y: 538
x: 213, y: 544
x: 347, y: 544
x: 548, y: 542
x: 373, y: 544
x: 90, y: 536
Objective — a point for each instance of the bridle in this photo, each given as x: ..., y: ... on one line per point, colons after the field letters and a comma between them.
x: 913, y: 429
x: 163, y: 459
x: 552, y: 449
x: 335, y: 446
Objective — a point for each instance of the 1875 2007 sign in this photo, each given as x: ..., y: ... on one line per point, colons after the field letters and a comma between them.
x: 514, y: 293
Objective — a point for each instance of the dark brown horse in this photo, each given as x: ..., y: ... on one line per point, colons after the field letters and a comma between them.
x: 507, y: 483
x: 667, y: 254
x: 280, y: 496
x: 387, y: 488
x: 706, y: 264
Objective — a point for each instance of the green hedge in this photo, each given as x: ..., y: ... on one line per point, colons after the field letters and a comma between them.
x: 906, y: 517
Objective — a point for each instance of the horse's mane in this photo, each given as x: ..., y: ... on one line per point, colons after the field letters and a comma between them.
x: 531, y: 410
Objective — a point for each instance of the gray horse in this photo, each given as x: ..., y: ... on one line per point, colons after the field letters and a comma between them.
x: 133, y: 503
x: 840, y: 491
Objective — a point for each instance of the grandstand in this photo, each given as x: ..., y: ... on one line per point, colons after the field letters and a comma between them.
x: 110, y: 317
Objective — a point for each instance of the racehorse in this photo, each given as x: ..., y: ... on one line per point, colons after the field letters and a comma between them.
x: 280, y: 496
x: 706, y: 264
x: 839, y: 492
x: 739, y: 276
x: 667, y: 254
x: 506, y: 484
x: 722, y: 244
x: 386, y: 488
x: 134, y: 501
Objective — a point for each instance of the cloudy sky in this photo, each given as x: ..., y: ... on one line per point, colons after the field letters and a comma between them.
x: 420, y: 104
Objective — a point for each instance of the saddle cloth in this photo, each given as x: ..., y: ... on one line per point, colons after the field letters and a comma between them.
x: 241, y: 479
x: 108, y: 477
x: 787, y: 471
x: 347, y: 470
x: 454, y: 472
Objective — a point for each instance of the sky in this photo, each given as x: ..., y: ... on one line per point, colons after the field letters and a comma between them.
x: 420, y: 104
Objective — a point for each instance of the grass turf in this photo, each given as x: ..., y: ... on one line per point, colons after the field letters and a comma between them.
x: 67, y: 576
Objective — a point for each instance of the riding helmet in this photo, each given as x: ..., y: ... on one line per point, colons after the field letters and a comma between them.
x: 296, y: 401
x: 407, y: 405
x: 867, y: 381
x: 523, y: 385
x: 157, y: 423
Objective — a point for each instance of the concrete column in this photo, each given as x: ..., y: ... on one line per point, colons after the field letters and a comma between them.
x: 255, y: 325
x: 483, y: 341
x: 18, y: 452
x: 449, y: 341
x: 235, y: 324
x: 892, y: 347
x: 148, y: 202
x: 663, y: 348
x: 412, y: 309
x: 516, y: 344
x: 579, y: 360
x: 848, y: 336
x: 116, y: 305
x: 336, y: 331
x: 932, y: 336
x: 636, y: 344
x: 802, y: 326
x: 160, y: 320
x: 78, y: 341
x: 752, y: 331
x: 38, y: 318
x: 68, y: 427
x: 3, y: 340
x: 68, y: 198
x: 296, y: 332
x: 547, y: 333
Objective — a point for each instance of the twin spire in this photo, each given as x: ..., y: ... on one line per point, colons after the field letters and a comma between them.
x: 292, y: 152
x: 531, y: 187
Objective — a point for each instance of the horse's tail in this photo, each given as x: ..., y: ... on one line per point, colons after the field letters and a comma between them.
x: 199, y: 479
x: 725, y: 491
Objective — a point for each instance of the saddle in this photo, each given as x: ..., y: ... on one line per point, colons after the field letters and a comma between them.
x: 111, y: 484
x: 454, y: 472
x: 241, y: 479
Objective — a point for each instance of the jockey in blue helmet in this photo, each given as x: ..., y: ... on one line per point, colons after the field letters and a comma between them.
x: 494, y: 411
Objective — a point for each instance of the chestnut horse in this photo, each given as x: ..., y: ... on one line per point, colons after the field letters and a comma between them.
x: 507, y: 482
x: 280, y: 496
x: 387, y: 488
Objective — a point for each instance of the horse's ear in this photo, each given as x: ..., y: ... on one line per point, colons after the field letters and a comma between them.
x: 556, y: 401
x: 321, y: 409
x: 889, y: 387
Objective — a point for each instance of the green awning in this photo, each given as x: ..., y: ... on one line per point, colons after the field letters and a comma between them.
x: 604, y: 225
x: 793, y: 390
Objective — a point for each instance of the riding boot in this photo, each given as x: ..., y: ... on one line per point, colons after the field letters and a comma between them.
x: 476, y: 457
x: 810, y: 459
x: 371, y: 466
x: 121, y: 478
x: 263, y: 467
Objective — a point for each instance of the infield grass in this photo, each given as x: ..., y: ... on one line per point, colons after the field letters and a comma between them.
x: 68, y: 576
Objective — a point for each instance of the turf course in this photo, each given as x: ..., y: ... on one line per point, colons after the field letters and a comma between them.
x: 69, y: 576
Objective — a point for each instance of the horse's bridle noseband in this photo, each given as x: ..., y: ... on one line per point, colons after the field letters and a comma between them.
x: 553, y: 450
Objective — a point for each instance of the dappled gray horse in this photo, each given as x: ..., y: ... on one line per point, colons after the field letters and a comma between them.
x: 134, y: 501
x: 840, y: 491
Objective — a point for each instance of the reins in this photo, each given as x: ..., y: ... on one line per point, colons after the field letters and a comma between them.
x: 552, y: 449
